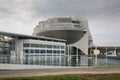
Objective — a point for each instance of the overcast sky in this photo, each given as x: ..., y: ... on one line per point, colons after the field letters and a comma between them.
x: 21, y: 16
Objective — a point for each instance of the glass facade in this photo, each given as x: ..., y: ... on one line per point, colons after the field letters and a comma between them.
x: 51, y: 55
x: 29, y: 52
x: 43, y: 48
x: 5, y: 48
x: 43, y: 54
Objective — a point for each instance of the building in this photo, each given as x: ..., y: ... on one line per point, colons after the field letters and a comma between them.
x: 37, y: 50
x: 32, y: 50
x: 55, y: 42
x: 113, y: 51
x: 75, y: 31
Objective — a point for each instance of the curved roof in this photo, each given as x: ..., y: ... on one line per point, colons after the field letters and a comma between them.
x: 22, y: 36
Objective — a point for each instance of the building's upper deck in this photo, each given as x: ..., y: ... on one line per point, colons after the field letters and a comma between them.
x: 62, y: 22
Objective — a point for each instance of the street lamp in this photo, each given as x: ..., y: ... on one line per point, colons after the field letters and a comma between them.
x: 96, y: 52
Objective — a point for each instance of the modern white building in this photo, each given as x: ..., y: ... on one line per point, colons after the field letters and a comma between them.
x: 55, y: 42
x: 38, y: 50
x: 32, y: 50
x: 74, y: 31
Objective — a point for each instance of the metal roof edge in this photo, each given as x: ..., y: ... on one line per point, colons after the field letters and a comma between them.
x: 30, y: 36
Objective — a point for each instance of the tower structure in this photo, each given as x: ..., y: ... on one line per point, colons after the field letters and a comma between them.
x: 74, y: 30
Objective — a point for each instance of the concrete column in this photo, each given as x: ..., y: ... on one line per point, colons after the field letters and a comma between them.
x: 68, y: 55
x: 12, y: 54
x: 4, y: 47
x: 60, y: 57
x: 106, y: 53
x: 77, y: 56
x: 52, y: 55
x: 19, y: 51
x: 65, y: 56
x: 46, y: 56
x: 29, y: 57
x: 115, y: 50
x: 39, y: 58
x: 34, y: 59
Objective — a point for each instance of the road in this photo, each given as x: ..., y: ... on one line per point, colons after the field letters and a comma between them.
x: 42, y: 72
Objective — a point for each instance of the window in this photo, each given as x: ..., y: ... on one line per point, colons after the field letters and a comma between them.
x: 36, y: 51
x: 49, y: 46
x: 54, y: 51
x: 62, y: 47
x: 26, y: 45
x: 49, y: 51
x: 62, y: 51
x: 41, y: 46
x: 32, y: 51
x: 26, y: 50
x: 57, y: 47
x: 42, y: 51
x: 58, y: 51
x: 35, y: 45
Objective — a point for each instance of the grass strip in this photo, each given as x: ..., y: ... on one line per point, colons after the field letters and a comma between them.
x: 70, y: 77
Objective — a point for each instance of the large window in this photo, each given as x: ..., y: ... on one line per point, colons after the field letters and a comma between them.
x: 49, y: 51
x: 35, y: 45
x: 62, y: 47
x: 62, y: 51
x: 37, y: 51
x: 32, y: 51
x: 42, y: 51
x: 56, y: 51
x: 49, y: 46
x: 26, y: 45
x: 55, y: 46
x: 26, y: 50
x: 42, y: 46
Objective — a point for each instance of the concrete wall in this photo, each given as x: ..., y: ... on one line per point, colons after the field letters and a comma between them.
x: 19, y: 51
x: 82, y: 44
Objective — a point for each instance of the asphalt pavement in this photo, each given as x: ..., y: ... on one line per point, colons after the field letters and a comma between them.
x: 42, y: 72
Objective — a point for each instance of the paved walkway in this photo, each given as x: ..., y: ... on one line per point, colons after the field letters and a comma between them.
x: 41, y: 72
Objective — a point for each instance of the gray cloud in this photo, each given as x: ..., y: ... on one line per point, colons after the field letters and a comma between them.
x: 22, y: 16
x: 58, y: 7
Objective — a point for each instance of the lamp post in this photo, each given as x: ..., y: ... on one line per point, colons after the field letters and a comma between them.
x: 96, y: 52
x: 106, y: 54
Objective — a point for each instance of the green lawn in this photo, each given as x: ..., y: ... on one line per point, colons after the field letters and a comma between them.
x: 71, y: 77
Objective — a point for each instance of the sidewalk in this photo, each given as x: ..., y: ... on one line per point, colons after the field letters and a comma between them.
x: 42, y: 72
